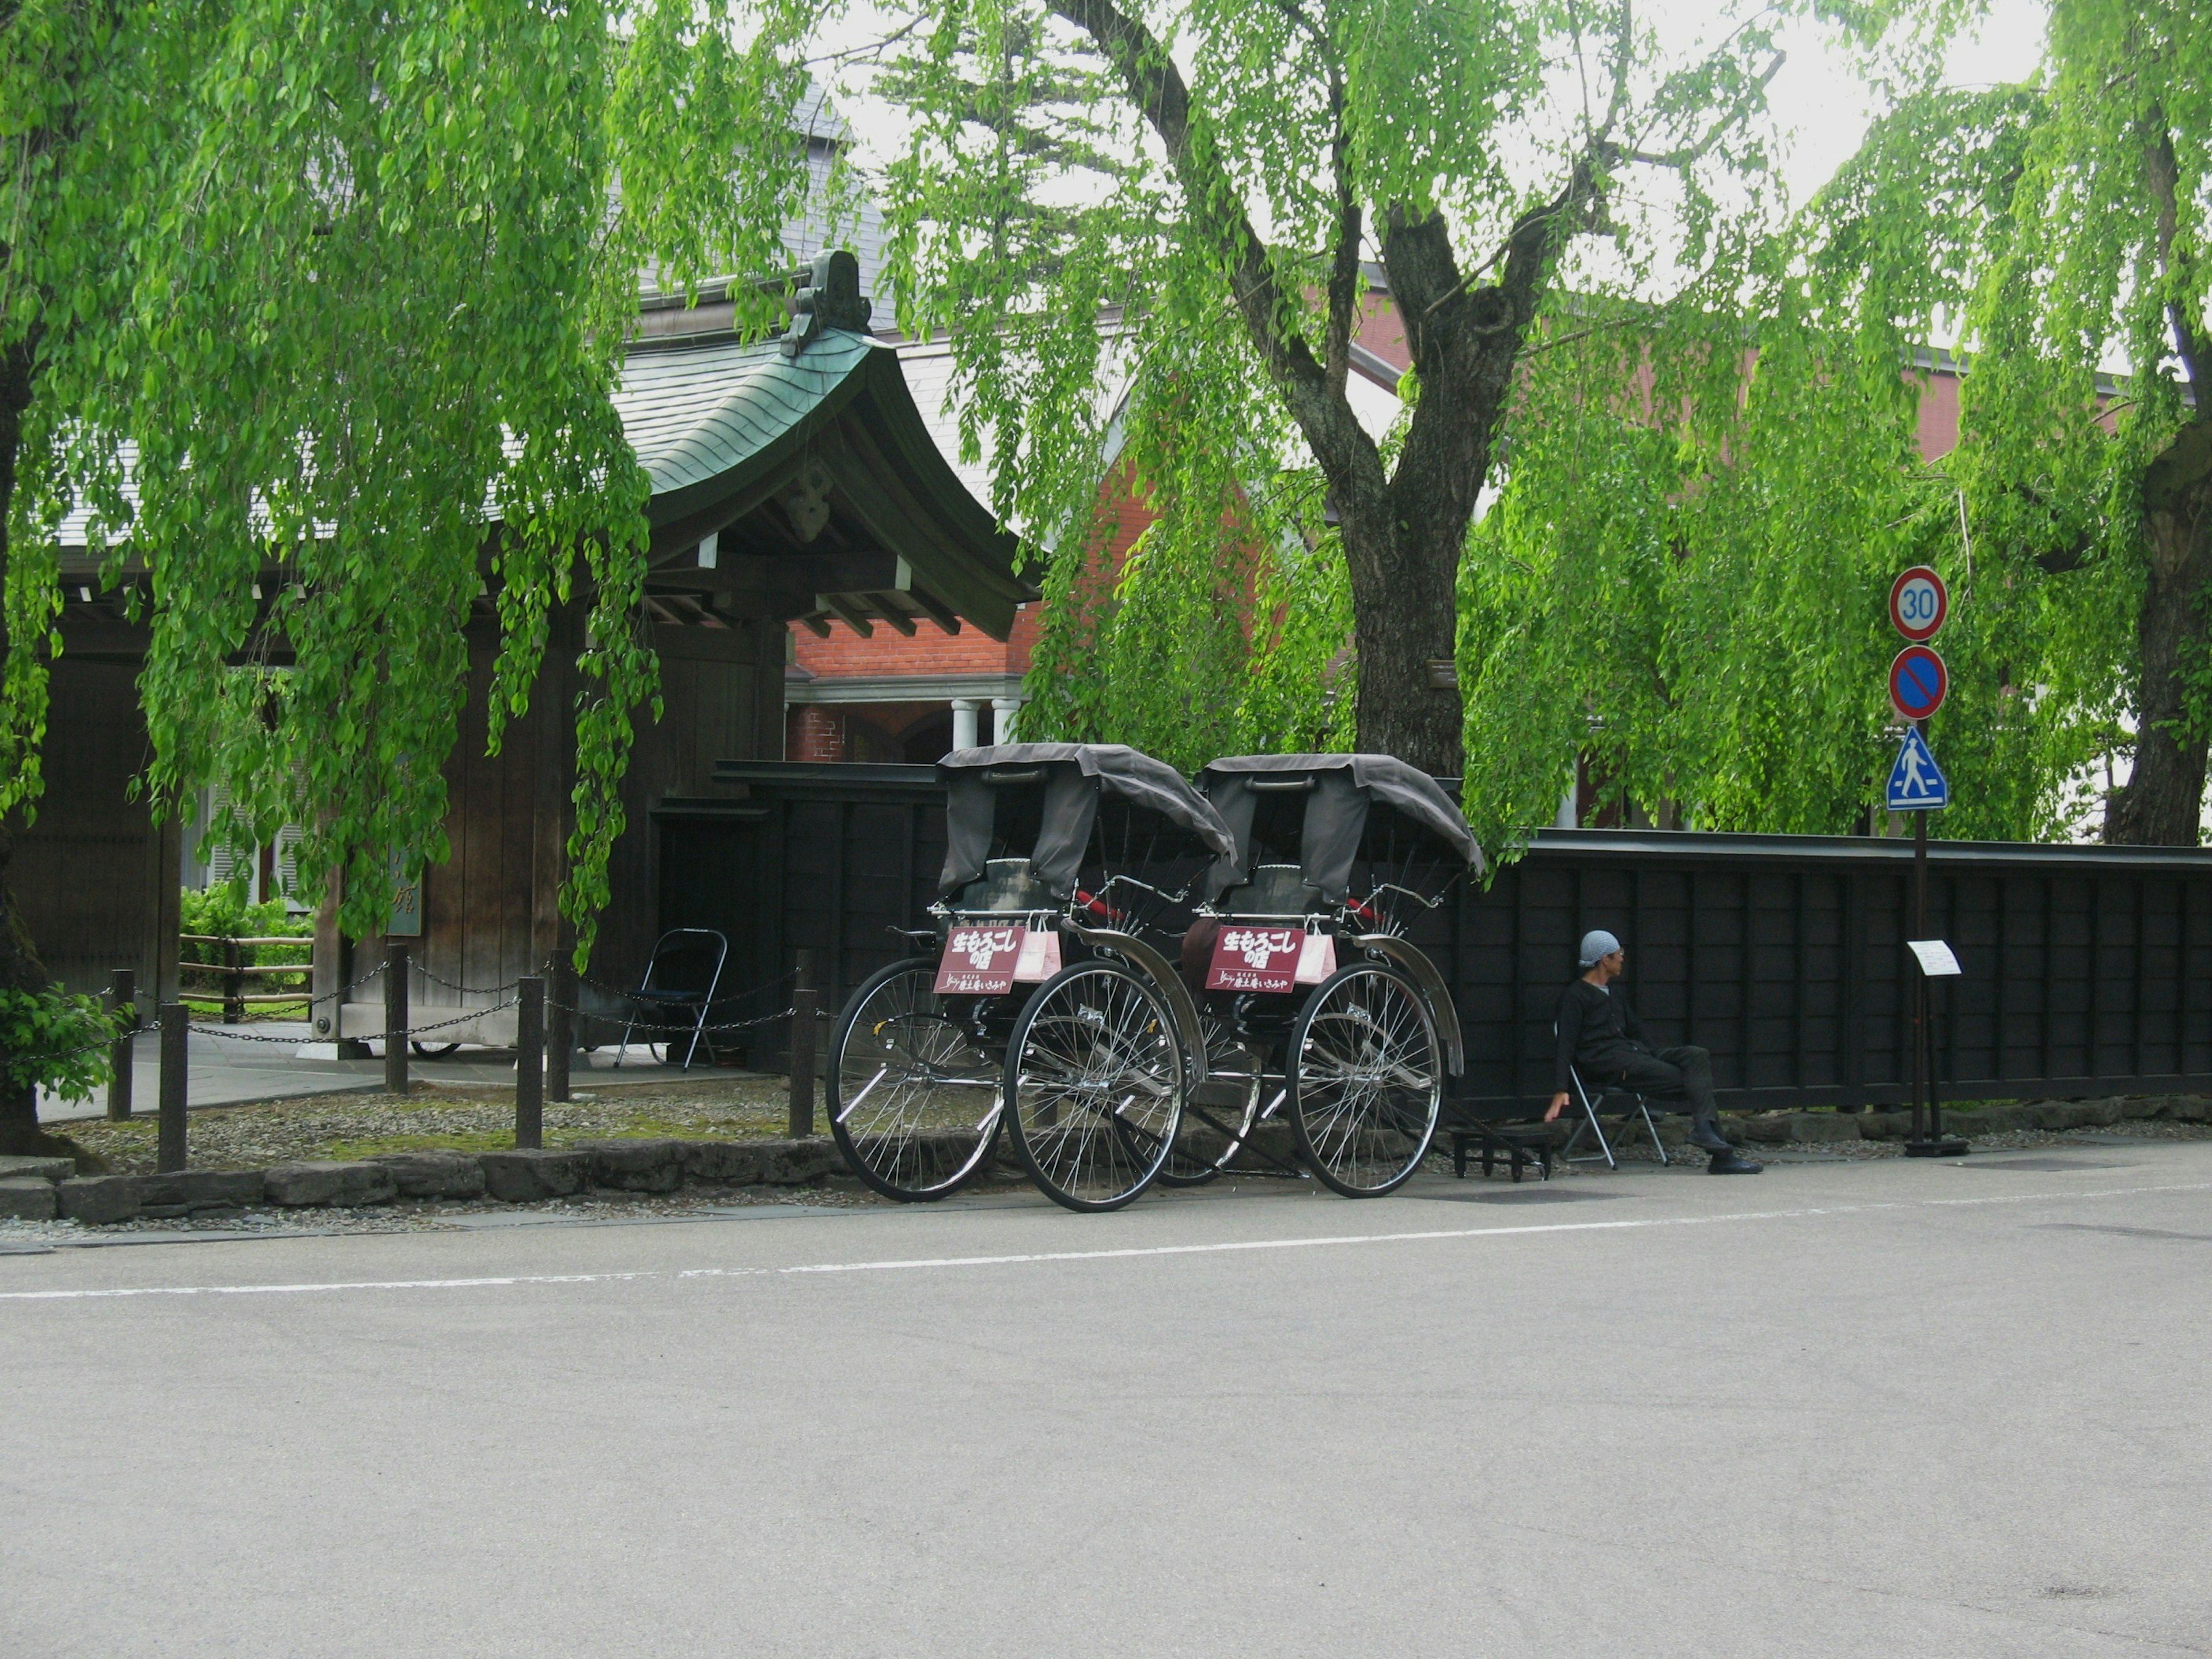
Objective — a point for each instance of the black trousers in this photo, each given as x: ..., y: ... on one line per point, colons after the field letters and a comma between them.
x: 1686, y: 1073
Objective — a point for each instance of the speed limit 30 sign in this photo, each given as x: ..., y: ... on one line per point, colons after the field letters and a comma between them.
x: 1918, y: 602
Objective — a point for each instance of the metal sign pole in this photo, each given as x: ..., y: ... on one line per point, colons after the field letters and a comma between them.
x: 1919, y: 979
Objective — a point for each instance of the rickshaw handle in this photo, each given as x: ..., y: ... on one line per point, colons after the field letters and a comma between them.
x: 1431, y: 983
x: 1181, y: 1003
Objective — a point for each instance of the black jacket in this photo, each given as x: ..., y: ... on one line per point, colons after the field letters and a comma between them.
x: 1597, y: 1028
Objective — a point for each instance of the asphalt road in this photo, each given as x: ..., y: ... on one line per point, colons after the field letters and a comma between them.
x: 1884, y: 1409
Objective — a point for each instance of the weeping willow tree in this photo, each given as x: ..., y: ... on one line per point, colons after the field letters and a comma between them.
x: 1177, y: 200
x: 334, y: 284
x: 1705, y: 512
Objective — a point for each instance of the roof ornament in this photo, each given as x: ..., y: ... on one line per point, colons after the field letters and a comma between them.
x: 831, y: 298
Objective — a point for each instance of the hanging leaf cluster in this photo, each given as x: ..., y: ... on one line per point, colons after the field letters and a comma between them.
x: 339, y: 292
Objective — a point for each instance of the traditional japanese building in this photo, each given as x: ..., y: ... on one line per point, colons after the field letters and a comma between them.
x: 794, y: 479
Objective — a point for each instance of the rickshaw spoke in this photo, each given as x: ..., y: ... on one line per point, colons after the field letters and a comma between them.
x: 902, y: 1105
x: 1096, y: 1082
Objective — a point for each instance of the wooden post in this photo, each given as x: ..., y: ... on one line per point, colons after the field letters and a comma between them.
x: 176, y: 1033
x: 234, y: 983
x: 395, y: 1016
x: 123, y: 1003
x: 560, y: 1027
x: 530, y: 1062
x: 803, y: 1001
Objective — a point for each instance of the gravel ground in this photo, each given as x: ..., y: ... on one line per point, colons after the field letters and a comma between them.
x: 466, y: 1120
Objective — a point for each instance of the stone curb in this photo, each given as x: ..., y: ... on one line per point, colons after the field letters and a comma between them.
x: 41, y: 1188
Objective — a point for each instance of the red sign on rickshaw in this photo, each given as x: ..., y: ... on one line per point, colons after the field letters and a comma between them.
x: 1255, y: 958
x: 979, y: 962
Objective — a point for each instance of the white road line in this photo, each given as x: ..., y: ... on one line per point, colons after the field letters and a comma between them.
x: 914, y: 1263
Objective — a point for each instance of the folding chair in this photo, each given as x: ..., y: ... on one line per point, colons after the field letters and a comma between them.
x: 685, y: 969
x: 1589, y: 1104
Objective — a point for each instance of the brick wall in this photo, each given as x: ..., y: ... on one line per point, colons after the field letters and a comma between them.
x: 811, y: 732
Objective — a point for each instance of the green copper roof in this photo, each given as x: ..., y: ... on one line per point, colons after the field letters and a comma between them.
x: 694, y: 413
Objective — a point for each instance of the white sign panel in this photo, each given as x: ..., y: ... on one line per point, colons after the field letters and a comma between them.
x: 1934, y: 957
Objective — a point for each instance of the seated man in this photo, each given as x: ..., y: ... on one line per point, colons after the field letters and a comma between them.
x: 1600, y: 1034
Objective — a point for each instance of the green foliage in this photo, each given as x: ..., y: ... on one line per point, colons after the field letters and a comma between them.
x: 1698, y: 605
x: 341, y: 284
x: 1089, y: 249
x: 54, y: 1041
x: 222, y: 911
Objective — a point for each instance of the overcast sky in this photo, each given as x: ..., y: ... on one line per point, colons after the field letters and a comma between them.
x: 1817, y: 96
x: 1824, y: 105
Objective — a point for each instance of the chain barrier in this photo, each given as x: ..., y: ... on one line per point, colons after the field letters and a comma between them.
x: 467, y: 990
x: 645, y: 1026
x: 228, y: 1034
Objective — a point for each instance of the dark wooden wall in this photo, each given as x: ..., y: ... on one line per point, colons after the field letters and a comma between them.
x: 490, y: 911
x: 96, y: 879
x: 2088, y: 969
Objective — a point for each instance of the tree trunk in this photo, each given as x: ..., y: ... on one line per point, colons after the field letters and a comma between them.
x: 1406, y: 615
x: 20, y: 967
x: 2162, y: 803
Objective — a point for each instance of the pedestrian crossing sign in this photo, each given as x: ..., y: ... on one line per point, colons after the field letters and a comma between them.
x: 1917, y: 784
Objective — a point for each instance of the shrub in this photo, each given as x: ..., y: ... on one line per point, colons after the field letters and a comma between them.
x: 54, y: 1041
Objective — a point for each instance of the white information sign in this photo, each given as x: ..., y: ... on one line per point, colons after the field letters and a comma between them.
x: 1934, y: 957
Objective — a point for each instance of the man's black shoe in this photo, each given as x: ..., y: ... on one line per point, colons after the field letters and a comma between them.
x: 1732, y: 1161
x: 1705, y: 1135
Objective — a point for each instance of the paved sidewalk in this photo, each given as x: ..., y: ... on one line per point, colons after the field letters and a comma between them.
x: 235, y: 1070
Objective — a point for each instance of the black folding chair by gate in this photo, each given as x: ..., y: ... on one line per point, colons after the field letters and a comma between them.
x: 678, y: 990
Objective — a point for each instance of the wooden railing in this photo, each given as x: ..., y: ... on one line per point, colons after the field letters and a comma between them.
x: 235, y: 971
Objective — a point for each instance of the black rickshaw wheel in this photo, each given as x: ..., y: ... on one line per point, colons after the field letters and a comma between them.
x: 914, y: 1103
x: 1095, y: 1084
x: 1219, y: 1115
x: 1366, y: 1079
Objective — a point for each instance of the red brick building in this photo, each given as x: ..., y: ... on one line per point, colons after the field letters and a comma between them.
x: 857, y: 690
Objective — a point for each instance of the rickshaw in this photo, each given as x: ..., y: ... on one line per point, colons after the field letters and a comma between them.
x: 1042, y: 1010
x: 1313, y: 1002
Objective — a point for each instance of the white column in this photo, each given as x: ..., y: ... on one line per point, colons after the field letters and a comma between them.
x: 1567, y: 818
x: 1003, y: 713
x: 963, y: 722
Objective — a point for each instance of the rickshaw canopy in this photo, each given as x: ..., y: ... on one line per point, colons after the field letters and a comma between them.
x: 1074, y: 777
x: 1340, y: 793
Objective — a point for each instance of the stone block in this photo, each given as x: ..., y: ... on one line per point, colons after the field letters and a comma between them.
x: 433, y: 1174
x: 97, y: 1199
x: 1820, y: 1128
x: 337, y: 1185
x: 2077, y: 1114
x: 181, y: 1192
x: 36, y: 1169
x: 26, y: 1199
x: 2188, y: 1109
x: 726, y: 1163
x: 523, y: 1177
x: 1883, y: 1125
x: 795, y: 1163
x: 636, y: 1166
x: 2001, y: 1119
x: 1764, y: 1130
x: 2142, y: 1105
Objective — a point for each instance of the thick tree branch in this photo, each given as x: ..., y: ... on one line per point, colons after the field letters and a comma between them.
x: 1157, y: 89
x: 1344, y: 274
x: 2165, y: 177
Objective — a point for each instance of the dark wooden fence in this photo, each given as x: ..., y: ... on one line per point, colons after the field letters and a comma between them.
x: 2088, y: 970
